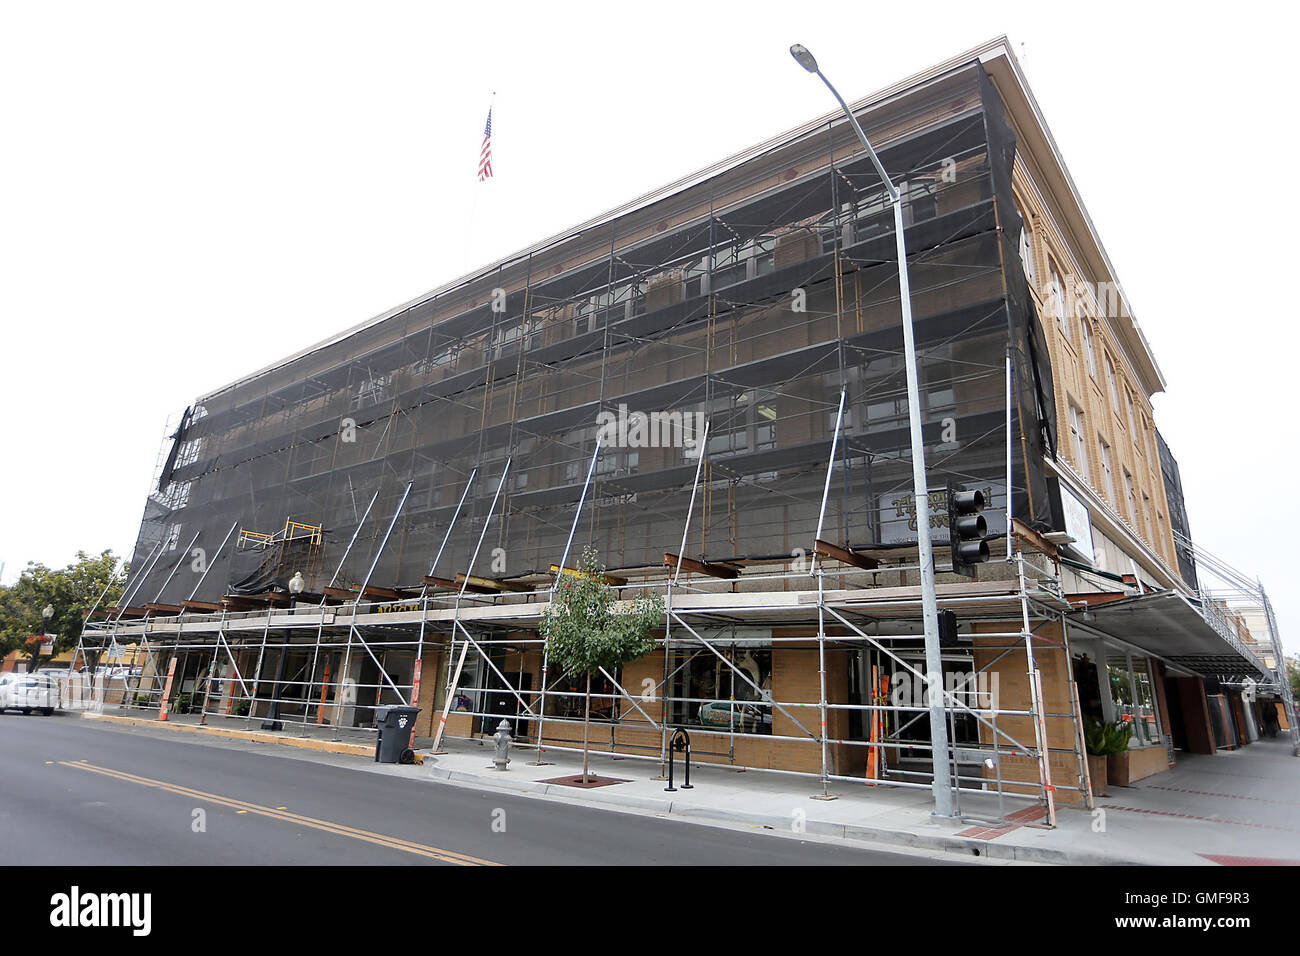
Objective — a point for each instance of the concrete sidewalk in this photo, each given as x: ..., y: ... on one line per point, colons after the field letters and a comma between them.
x: 1231, y: 808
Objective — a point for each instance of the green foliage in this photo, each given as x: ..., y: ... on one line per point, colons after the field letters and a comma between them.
x: 586, y: 628
x: 71, y: 591
x: 1293, y: 673
x: 1102, y: 740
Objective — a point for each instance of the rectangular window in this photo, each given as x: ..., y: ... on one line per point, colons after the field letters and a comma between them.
x: 1056, y: 300
x: 1107, y: 472
x: 1088, y: 351
x: 1078, y: 442
x: 714, y: 694
x: 1131, y: 495
x: 1110, y: 384
x: 1133, y: 691
x: 1027, y: 251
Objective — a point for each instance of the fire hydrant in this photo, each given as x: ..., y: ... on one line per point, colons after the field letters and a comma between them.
x: 502, y: 737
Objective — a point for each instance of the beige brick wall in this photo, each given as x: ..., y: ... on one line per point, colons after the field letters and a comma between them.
x: 1014, y: 694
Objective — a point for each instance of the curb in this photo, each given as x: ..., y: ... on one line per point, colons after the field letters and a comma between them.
x: 842, y: 831
x: 255, y: 736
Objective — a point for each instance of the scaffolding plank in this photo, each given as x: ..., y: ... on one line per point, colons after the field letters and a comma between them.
x: 1033, y: 539
x: 611, y: 579
x: 200, y: 606
x: 372, y: 592
x: 701, y: 567
x: 844, y: 555
x: 492, y: 584
x: 450, y: 585
x: 157, y: 608
x: 128, y: 611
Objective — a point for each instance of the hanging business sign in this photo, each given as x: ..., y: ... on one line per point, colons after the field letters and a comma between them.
x: 1070, y: 514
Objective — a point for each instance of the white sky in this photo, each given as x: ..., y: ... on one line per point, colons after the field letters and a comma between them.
x: 192, y: 191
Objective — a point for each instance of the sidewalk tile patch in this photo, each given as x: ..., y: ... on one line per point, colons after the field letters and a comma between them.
x: 1014, y: 822
x: 1247, y: 860
x: 576, y: 781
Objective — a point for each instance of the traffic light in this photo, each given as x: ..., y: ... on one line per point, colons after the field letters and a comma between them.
x: 967, y: 530
x: 947, y: 628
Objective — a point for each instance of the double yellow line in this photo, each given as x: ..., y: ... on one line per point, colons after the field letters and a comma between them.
x: 338, y: 829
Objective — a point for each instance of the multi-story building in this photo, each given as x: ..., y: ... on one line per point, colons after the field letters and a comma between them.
x: 394, y: 503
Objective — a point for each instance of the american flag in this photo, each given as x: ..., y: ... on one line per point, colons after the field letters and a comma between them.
x: 485, y: 154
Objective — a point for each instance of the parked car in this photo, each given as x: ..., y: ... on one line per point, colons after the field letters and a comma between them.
x: 28, y: 692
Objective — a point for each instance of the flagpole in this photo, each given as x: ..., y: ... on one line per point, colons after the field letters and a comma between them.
x: 470, y: 248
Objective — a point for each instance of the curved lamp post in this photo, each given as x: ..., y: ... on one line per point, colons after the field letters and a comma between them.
x: 942, y: 784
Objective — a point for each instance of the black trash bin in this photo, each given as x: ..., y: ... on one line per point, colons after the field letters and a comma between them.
x: 394, y: 725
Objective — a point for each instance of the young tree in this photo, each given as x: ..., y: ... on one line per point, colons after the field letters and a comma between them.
x: 587, y: 629
x: 71, y: 591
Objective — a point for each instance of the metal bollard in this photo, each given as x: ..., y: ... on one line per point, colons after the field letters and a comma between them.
x: 681, y: 742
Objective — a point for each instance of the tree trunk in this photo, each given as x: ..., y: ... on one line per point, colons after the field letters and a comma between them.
x: 586, y: 728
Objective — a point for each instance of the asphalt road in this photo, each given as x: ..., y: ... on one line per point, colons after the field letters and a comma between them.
x: 76, y: 793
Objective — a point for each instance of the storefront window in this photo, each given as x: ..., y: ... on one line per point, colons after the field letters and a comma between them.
x: 567, y: 696
x: 718, y: 697
x: 1133, y: 691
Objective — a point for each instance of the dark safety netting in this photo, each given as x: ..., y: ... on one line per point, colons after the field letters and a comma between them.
x: 750, y: 299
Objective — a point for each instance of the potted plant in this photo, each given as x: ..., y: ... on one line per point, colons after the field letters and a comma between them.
x: 1107, y: 746
x: 184, y: 703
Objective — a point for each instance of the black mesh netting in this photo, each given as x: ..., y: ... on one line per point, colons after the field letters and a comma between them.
x: 751, y: 298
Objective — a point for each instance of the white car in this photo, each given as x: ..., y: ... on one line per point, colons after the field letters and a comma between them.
x: 29, y: 692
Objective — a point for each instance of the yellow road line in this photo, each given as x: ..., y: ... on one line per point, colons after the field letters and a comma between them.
x: 339, y: 829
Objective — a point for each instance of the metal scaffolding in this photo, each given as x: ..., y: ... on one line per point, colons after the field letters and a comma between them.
x: 756, y: 312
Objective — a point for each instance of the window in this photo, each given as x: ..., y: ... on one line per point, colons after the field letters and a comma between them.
x: 1132, y: 422
x: 1056, y: 299
x: 716, y: 696
x: 1090, y: 354
x: 1078, y: 442
x: 1146, y: 516
x: 1131, y: 495
x: 883, y: 396
x: 372, y: 390
x: 1107, y: 473
x: 1133, y: 692
x: 1027, y: 251
x: 1110, y: 384
x: 742, y: 423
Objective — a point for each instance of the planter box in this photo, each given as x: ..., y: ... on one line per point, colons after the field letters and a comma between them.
x: 1118, y: 767
x: 1098, y: 771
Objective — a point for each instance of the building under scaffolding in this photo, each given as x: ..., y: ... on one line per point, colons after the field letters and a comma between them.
x: 694, y: 384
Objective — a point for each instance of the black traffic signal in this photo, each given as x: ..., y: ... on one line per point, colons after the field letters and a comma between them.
x: 947, y: 628
x: 967, y: 530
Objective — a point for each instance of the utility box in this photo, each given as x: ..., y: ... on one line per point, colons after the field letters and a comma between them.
x: 394, y: 725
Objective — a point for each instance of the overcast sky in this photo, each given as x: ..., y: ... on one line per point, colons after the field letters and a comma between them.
x: 194, y: 190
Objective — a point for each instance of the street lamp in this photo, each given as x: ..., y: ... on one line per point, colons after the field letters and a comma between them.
x: 942, y: 785
x: 46, y: 614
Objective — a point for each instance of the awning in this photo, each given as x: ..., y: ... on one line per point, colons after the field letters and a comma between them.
x: 1168, y: 625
